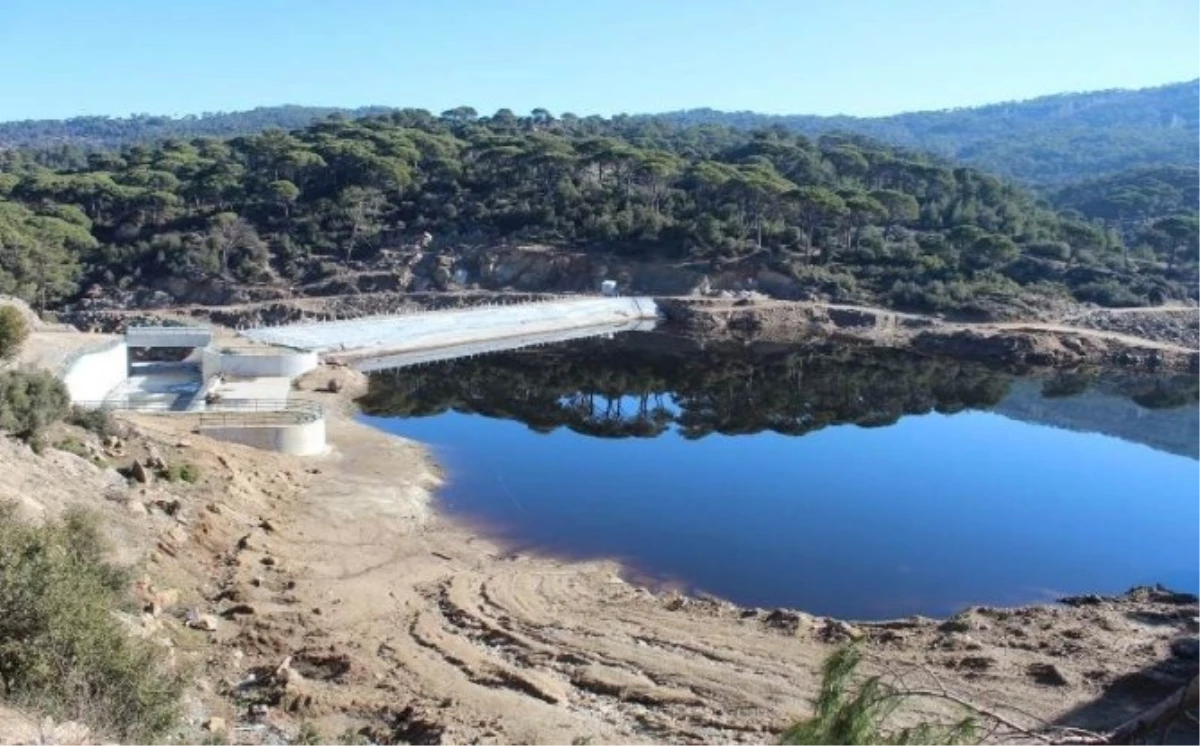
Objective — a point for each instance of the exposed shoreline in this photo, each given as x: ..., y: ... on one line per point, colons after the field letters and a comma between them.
x: 399, y: 618
x: 979, y: 651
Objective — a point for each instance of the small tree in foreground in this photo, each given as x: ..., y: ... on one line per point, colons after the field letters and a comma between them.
x: 860, y: 717
x: 13, y: 332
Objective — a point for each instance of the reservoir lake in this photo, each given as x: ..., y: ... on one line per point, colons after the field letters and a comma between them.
x: 847, y: 481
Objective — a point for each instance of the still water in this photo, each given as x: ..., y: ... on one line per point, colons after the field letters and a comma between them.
x: 845, y: 481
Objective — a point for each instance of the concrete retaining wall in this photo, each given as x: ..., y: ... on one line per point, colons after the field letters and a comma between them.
x: 91, y: 374
x: 304, y: 439
x: 281, y: 363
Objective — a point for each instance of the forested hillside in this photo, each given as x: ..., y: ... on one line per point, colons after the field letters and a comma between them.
x: 97, y: 132
x: 1144, y: 204
x: 1134, y: 196
x: 1046, y: 141
x: 852, y: 218
x: 1043, y: 141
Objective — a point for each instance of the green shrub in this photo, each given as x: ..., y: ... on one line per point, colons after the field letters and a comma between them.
x: 63, y: 652
x: 1056, y: 250
x: 189, y: 473
x: 98, y: 421
x: 13, y: 331
x: 308, y: 735
x: 75, y: 446
x: 1108, y: 293
x: 352, y: 737
x: 31, y: 401
x: 843, y: 717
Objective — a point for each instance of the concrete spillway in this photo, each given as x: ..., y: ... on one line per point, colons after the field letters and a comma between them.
x: 441, y: 335
x: 389, y: 361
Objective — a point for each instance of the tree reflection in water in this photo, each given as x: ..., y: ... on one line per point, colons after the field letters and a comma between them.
x: 641, y: 385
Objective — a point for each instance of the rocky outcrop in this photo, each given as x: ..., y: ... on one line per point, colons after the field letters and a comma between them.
x: 1180, y: 326
x: 1000, y: 344
x: 1042, y: 348
x: 779, y: 321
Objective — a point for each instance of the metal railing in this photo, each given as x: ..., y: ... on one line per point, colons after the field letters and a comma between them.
x: 221, y: 412
x: 258, y: 412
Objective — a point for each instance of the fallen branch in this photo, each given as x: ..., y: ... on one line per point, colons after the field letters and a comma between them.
x: 1159, y: 716
x: 978, y: 711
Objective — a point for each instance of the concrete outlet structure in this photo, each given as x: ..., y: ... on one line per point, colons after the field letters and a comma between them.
x: 239, y: 394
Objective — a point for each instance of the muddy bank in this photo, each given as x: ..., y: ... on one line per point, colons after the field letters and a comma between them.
x: 1038, y: 344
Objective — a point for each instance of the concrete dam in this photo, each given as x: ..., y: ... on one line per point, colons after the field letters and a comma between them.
x: 374, y: 343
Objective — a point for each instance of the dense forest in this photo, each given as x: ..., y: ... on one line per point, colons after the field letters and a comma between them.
x: 1139, y: 203
x: 113, y: 133
x: 1134, y: 198
x: 1045, y: 141
x: 858, y: 219
x: 1051, y: 140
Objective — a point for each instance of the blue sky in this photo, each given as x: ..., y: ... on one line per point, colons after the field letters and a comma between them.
x: 866, y: 57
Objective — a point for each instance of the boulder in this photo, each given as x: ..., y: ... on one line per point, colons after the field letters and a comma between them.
x: 203, y: 622
x: 791, y: 622
x: 177, y: 535
x: 154, y: 459
x: 140, y: 473
x: 837, y: 630
x: 238, y: 610
x: 1047, y: 674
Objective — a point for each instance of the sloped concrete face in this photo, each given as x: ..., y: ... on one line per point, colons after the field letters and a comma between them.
x: 93, y: 373
x: 368, y: 361
x: 438, y: 329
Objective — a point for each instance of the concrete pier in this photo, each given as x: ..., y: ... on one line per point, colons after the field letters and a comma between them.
x: 419, y: 337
